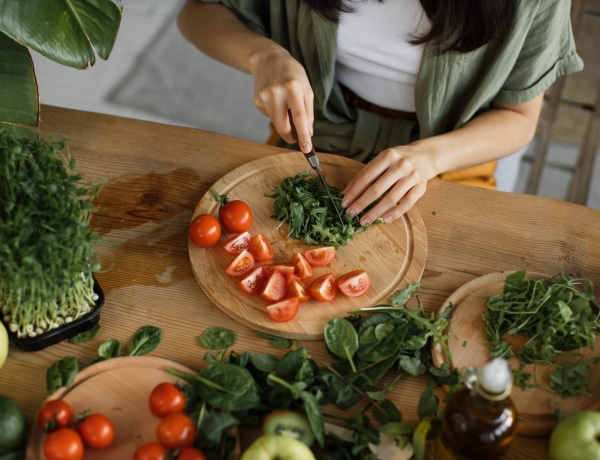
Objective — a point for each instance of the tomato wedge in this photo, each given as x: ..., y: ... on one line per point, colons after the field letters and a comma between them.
x: 323, y: 288
x: 354, y: 283
x: 253, y: 282
x: 303, y: 269
x: 286, y: 269
x: 320, y: 257
x: 242, y: 264
x: 261, y: 248
x: 297, y: 288
x: 238, y: 243
x: 275, y: 288
x: 283, y: 310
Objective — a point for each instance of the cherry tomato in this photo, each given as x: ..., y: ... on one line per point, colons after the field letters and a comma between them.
x: 283, y: 310
x: 275, y: 288
x: 151, y: 451
x: 238, y: 243
x: 63, y: 444
x: 261, y: 248
x: 303, y: 270
x: 96, y: 431
x: 241, y: 265
x: 54, y: 414
x: 254, y: 282
x: 286, y: 269
x: 204, y: 230
x: 320, y: 257
x: 235, y: 216
x: 175, y: 431
x: 190, y: 453
x: 166, y: 399
x: 323, y: 288
x: 297, y: 288
x: 354, y: 283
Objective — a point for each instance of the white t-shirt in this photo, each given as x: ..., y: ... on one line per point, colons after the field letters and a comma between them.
x: 374, y: 56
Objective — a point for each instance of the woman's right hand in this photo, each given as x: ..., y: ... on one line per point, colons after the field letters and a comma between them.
x: 281, y: 84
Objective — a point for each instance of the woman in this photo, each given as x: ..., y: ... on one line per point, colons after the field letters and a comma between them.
x: 416, y: 89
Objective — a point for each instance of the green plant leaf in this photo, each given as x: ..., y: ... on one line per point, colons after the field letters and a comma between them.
x: 145, y: 340
x: 65, y: 31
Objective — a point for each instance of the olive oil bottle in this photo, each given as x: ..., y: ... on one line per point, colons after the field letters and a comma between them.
x: 480, y: 419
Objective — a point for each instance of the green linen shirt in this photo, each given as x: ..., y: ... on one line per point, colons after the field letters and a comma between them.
x: 451, y: 88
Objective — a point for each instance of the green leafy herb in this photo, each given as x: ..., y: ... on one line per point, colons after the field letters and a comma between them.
x: 217, y: 338
x: 303, y: 203
x: 61, y: 373
x: 145, y: 340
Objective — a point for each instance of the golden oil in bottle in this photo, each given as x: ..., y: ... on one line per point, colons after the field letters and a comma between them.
x: 480, y: 419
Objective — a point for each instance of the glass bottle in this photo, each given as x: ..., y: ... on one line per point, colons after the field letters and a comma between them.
x: 480, y: 419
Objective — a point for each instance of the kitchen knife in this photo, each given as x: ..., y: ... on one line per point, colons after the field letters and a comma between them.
x: 313, y: 160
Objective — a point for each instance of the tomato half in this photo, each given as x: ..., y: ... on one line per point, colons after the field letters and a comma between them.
x: 354, y: 283
x: 190, y: 453
x: 261, y: 248
x: 96, y: 431
x: 175, y: 431
x: 303, y: 269
x: 323, y: 288
x: 254, y: 282
x: 275, y: 288
x: 63, y: 444
x: 283, y: 310
x: 150, y: 451
x: 235, y: 216
x: 54, y: 414
x: 238, y: 243
x: 166, y: 398
x: 297, y: 288
x: 241, y: 265
x: 204, y: 230
x: 320, y: 257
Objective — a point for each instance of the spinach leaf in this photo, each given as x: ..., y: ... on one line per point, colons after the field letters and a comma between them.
x: 61, y: 373
x: 145, y: 340
x: 341, y: 339
x: 217, y: 338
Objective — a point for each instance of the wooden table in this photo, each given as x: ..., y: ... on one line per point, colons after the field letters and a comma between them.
x: 156, y: 175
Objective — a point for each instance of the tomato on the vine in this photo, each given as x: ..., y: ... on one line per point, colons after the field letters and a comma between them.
x: 235, y: 215
x: 241, y: 265
x: 97, y: 431
x: 63, y: 444
x: 204, y: 230
x: 284, y: 310
x: 175, y: 431
x: 150, y: 451
x: 354, y: 283
x: 54, y: 414
x: 165, y: 399
x: 323, y: 288
x: 190, y: 453
x: 320, y: 257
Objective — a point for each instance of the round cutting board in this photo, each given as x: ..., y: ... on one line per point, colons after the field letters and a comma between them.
x: 119, y: 388
x: 392, y: 254
x: 536, y: 407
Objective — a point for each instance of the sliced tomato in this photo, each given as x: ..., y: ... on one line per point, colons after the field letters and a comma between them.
x: 303, y: 269
x: 261, y: 248
x: 297, y: 288
x: 283, y: 310
x: 241, y: 265
x: 275, y: 288
x: 238, y: 243
x: 254, y: 282
x: 320, y: 257
x: 323, y: 288
x: 354, y: 283
x: 287, y: 269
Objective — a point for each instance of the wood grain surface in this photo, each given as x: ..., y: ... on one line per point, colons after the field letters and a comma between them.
x: 536, y: 406
x: 392, y: 254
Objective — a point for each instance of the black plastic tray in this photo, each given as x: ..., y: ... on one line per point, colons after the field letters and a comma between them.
x: 63, y: 332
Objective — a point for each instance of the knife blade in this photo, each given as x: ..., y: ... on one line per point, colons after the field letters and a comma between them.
x: 313, y: 160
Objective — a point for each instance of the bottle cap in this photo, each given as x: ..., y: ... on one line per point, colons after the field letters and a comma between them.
x: 495, y: 378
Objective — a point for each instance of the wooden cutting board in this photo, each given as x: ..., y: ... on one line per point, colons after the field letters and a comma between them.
x: 393, y: 254
x: 119, y: 388
x: 536, y: 407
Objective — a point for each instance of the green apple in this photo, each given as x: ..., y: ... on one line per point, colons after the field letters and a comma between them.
x: 277, y: 447
x: 3, y: 344
x: 576, y: 437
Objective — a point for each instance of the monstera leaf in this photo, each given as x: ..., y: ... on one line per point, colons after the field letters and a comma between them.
x: 70, y: 32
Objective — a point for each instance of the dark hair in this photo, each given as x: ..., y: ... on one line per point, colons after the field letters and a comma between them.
x: 456, y: 25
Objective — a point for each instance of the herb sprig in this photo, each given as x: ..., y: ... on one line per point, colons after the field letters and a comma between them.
x: 302, y: 203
